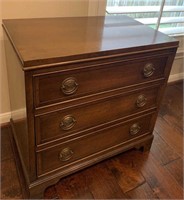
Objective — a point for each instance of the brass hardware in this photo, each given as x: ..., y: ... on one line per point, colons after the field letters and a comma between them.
x: 69, y: 86
x: 67, y: 122
x: 65, y: 154
x: 134, y: 129
x: 148, y: 70
x: 141, y: 101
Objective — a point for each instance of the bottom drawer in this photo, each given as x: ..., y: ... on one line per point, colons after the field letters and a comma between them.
x: 81, y: 149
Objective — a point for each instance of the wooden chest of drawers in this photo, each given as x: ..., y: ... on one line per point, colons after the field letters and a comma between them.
x: 82, y: 90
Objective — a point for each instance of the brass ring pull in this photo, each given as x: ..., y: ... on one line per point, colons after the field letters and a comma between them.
x: 69, y: 86
x: 135, y: 128
x: 148, y: 70
x: 65, y: 154
x: 141, y: 101
x: 67, y: 122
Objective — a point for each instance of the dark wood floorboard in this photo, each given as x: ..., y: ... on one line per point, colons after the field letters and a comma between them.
x: 10, y: 186
x: 103, y: 183
x: 73, y: 187
x: 176, y: 169
x: 171, y: 135
x: 160, y: 180
x: 157, y: 174
x: 126, y: 173
x: 6, y: 149
x: 144, y: 191
x: 162, y: 151
x: 172, y: 106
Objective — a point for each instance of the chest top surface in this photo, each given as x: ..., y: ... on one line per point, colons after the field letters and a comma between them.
x: 53, y: 40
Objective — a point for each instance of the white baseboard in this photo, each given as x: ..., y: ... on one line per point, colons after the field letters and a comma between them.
x: 17, y: 114
x: 5, y: 117
x: 176, y: 77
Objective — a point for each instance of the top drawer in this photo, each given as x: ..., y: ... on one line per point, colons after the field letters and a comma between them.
x: 63, y: 86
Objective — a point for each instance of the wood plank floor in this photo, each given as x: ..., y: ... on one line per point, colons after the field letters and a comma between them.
x: 157, y: 174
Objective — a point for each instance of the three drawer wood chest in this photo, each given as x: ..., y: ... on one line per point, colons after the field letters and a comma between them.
x: 82, y: 90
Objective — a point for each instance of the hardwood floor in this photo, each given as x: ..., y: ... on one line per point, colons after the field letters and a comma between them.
x: 157, y: 174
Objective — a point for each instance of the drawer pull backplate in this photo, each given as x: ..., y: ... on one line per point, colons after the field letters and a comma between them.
x: 67, y: 122
x: 135, y: 128
x: 69, y: 86
x: 141, y: 101
x: 65, y: 154
x: 148, y: 70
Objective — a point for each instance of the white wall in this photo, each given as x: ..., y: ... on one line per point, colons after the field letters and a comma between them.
x: 32, y: 9
x: 177, y: 71
x: 35, y: 9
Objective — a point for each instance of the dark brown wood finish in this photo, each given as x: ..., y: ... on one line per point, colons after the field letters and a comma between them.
x: 82, y: 38
x: 126, y: 174
x: 144, y: 191
x: 89, y: 147
x: 48, y: 88
x: 92, y: 90
x: 176, y: 169
x: 109, y: 179
x: 49, y: 126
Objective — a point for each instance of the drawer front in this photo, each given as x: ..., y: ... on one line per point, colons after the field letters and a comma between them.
x: 53, y: 88
x: 70, y: 153
x: 73, y: 121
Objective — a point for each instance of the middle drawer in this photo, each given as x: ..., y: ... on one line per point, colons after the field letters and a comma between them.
x: 79, y: 119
